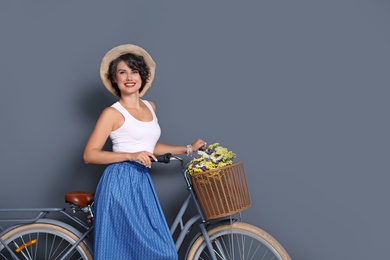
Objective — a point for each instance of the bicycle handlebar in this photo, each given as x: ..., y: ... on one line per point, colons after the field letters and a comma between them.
x: 165, y: 158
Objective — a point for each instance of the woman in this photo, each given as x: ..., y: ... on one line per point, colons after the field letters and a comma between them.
x: 129, y: 222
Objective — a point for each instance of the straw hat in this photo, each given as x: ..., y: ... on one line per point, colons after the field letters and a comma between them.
x: 118, y: 51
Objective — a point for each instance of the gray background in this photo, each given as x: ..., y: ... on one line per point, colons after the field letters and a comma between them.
x: 298, y: 89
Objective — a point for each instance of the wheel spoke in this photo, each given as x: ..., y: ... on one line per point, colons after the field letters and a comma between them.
x: 221, y: 246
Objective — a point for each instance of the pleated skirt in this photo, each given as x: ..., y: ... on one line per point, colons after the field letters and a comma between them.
x: 129, y: 222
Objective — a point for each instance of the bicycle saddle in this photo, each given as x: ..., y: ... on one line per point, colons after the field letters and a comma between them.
x: 79, y: 198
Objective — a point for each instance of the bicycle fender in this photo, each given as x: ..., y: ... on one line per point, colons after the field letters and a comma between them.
x: 68, y: 227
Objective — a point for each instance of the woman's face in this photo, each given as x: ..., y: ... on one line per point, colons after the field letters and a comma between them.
x: 129, y: 81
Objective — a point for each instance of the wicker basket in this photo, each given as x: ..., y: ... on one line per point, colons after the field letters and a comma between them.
x: 223, y: 191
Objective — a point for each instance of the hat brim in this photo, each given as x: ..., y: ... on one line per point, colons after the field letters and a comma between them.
x: 118, y: 51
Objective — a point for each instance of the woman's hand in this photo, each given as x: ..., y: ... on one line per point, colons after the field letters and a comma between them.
x: 198, y: 144
x: 143, y: 157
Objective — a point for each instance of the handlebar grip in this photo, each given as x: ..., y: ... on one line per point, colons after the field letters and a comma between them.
x: 165, y: 158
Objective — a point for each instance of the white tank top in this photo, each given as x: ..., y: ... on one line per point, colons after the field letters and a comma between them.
x: 134, y: 135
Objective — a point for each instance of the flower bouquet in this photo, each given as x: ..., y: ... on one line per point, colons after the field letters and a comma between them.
x: 214, y: 156
x: 219, y: 184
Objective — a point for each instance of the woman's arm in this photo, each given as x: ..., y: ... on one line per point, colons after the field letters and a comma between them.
x: 178, y: 149
x: 108, y: 121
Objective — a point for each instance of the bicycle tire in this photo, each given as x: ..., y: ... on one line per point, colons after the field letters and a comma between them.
x: 249, y: 242
x: 43, y: 241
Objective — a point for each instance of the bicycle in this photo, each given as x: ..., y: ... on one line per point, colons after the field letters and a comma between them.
x: 43, y: 237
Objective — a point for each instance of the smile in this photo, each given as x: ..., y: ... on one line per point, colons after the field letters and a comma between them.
x: 132, y: 84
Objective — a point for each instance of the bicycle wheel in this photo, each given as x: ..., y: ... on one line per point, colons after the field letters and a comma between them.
x: 42, y: 241
x: 238, y: 241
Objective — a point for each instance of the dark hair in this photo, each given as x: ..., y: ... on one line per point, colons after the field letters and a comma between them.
x: 134, y: 62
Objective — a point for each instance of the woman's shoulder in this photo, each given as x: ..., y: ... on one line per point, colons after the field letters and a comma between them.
x: 152, y: 104
x: 110, y: 112
x: 110, y: 118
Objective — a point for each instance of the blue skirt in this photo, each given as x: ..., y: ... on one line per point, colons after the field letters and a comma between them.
x: 129, y: 222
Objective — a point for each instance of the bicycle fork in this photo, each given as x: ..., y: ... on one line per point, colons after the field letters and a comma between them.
x: 208, y: 241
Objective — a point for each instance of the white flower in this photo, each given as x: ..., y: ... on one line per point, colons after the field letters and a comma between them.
x: 215, y: 158
x: 203, y: 154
